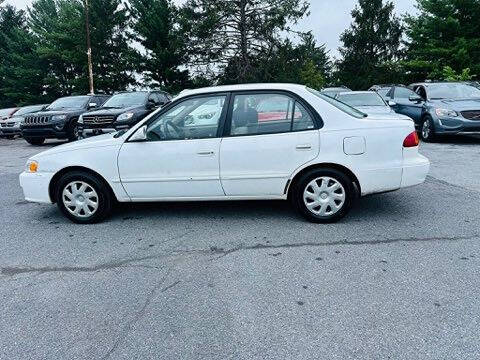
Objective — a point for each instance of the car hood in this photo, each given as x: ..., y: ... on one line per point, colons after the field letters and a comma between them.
x: 458, y: 105
x: 112, y: 111
x: 55, y: 112
x: 89, y: 143
x: 375, y: 109
x: 388, y: 116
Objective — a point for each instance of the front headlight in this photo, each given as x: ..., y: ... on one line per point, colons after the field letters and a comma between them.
x: 32, y: 166
x: 446, y: 113
x: 125, y: 116
x: 59, y: 117
x: 80, y: 119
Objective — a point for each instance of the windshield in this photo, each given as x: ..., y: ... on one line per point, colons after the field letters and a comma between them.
x: 370, y: 99
x: 72, y: 102
x: 5, y: 112
x: 126, y: 100
x: 383, y: 92
x: 28, y: 110
x: 339, y: 105
x: 452, y: 91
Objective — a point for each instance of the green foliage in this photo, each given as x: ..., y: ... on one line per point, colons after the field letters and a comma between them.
x: 451, y: 75
x: 20, y: 69
x: 157, y: 29
x: 445, y: 33
x: 311, y: 76
x: 369, y: 45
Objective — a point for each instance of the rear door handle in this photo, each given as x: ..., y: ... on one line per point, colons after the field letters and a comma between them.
x: 304, y: 147
x: 206, y: 153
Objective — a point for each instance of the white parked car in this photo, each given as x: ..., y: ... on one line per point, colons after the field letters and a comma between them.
x: 315, y: 151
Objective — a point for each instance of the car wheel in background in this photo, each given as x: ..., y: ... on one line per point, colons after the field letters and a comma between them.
x: 35, y: 141
x: 83, y: 197
x: 427, y: 131
x: 323, y: 195
x: 73, y: 132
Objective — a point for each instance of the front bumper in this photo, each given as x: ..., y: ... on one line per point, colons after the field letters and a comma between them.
x: 456, y: 125
x: 415, y: 171
x: 35, y: 187
x: 88, y: 130
x: 45, y: 131
x: 10, y: 130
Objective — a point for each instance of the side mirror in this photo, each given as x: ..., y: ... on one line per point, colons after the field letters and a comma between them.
x: 392, y: 103
x: 140, y: 134
x: 415, y: 99
x: 92, y: 105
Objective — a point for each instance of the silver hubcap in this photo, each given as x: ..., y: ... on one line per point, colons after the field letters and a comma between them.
x: 324, y: 196
x: 426, y: 129
x: 80, y: 199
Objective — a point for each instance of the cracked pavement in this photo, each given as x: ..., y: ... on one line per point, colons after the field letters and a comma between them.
x: 398, y: 278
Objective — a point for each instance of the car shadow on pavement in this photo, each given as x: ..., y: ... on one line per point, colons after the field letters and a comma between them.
x: 370, y: 208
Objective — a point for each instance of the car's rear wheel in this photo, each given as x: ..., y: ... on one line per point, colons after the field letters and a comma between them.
x: 35, y: 141
x: 83, y: 197
x: 427, y: 132
x: 323, y: 195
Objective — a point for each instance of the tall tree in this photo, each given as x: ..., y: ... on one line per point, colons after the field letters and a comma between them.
x: 304, y: 62
x: 59, y: 30
x: 21, y: 71
x: 445, y: 33
x: 234, y: 33
x: 369, y: 45
x: 157, y: 29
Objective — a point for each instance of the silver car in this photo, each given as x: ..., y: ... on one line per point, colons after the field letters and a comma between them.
x: 10, y: 127
x: 370, y: 103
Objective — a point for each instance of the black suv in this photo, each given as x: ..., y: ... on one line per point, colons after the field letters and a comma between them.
x: 59, y: 119
x: 121, y: 111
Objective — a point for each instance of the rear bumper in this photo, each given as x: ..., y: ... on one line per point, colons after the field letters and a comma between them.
x: 35, y: 187
x: 415, y: 171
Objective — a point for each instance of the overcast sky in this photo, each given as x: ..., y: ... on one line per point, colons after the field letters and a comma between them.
x: 328, y: 18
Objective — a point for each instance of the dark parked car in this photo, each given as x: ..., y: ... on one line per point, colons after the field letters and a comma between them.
x: 333, y: 91
x: 121, y: 111
x: 59, y: 119
x: 439, y: 108
x: 10, y: 127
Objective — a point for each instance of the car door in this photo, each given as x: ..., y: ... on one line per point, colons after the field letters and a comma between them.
x: 412, y: 109
x: 268, y: 136
x: 179, y: 160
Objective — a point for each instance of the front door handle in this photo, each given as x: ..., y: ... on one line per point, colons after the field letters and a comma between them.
x: 206, y: 153
x: 304, y: 147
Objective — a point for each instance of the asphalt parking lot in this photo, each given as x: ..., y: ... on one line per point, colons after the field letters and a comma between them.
x: 397, y: 279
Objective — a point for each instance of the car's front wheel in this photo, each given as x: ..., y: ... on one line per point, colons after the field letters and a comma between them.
x: 428, y: 130
x: 83, y: 197
x: 323, y: 195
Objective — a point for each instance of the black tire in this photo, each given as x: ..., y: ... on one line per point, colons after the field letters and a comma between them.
x: 105, y: 196
x: 72, y: 131
x: 427, y: 130
x: 35, y: 141
x: 304, y: 182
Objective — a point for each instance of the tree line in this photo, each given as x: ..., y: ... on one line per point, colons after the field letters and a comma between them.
x: 156, y: 43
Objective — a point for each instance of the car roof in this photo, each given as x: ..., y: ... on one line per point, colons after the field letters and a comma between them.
x: 243, y: 87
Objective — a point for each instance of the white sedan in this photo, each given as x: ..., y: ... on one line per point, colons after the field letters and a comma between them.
x: 271, y: 141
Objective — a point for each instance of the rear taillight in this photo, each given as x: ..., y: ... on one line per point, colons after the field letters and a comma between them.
x: 411, y: 140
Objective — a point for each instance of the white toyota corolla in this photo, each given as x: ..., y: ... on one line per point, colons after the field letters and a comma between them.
x: 270, y: 141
